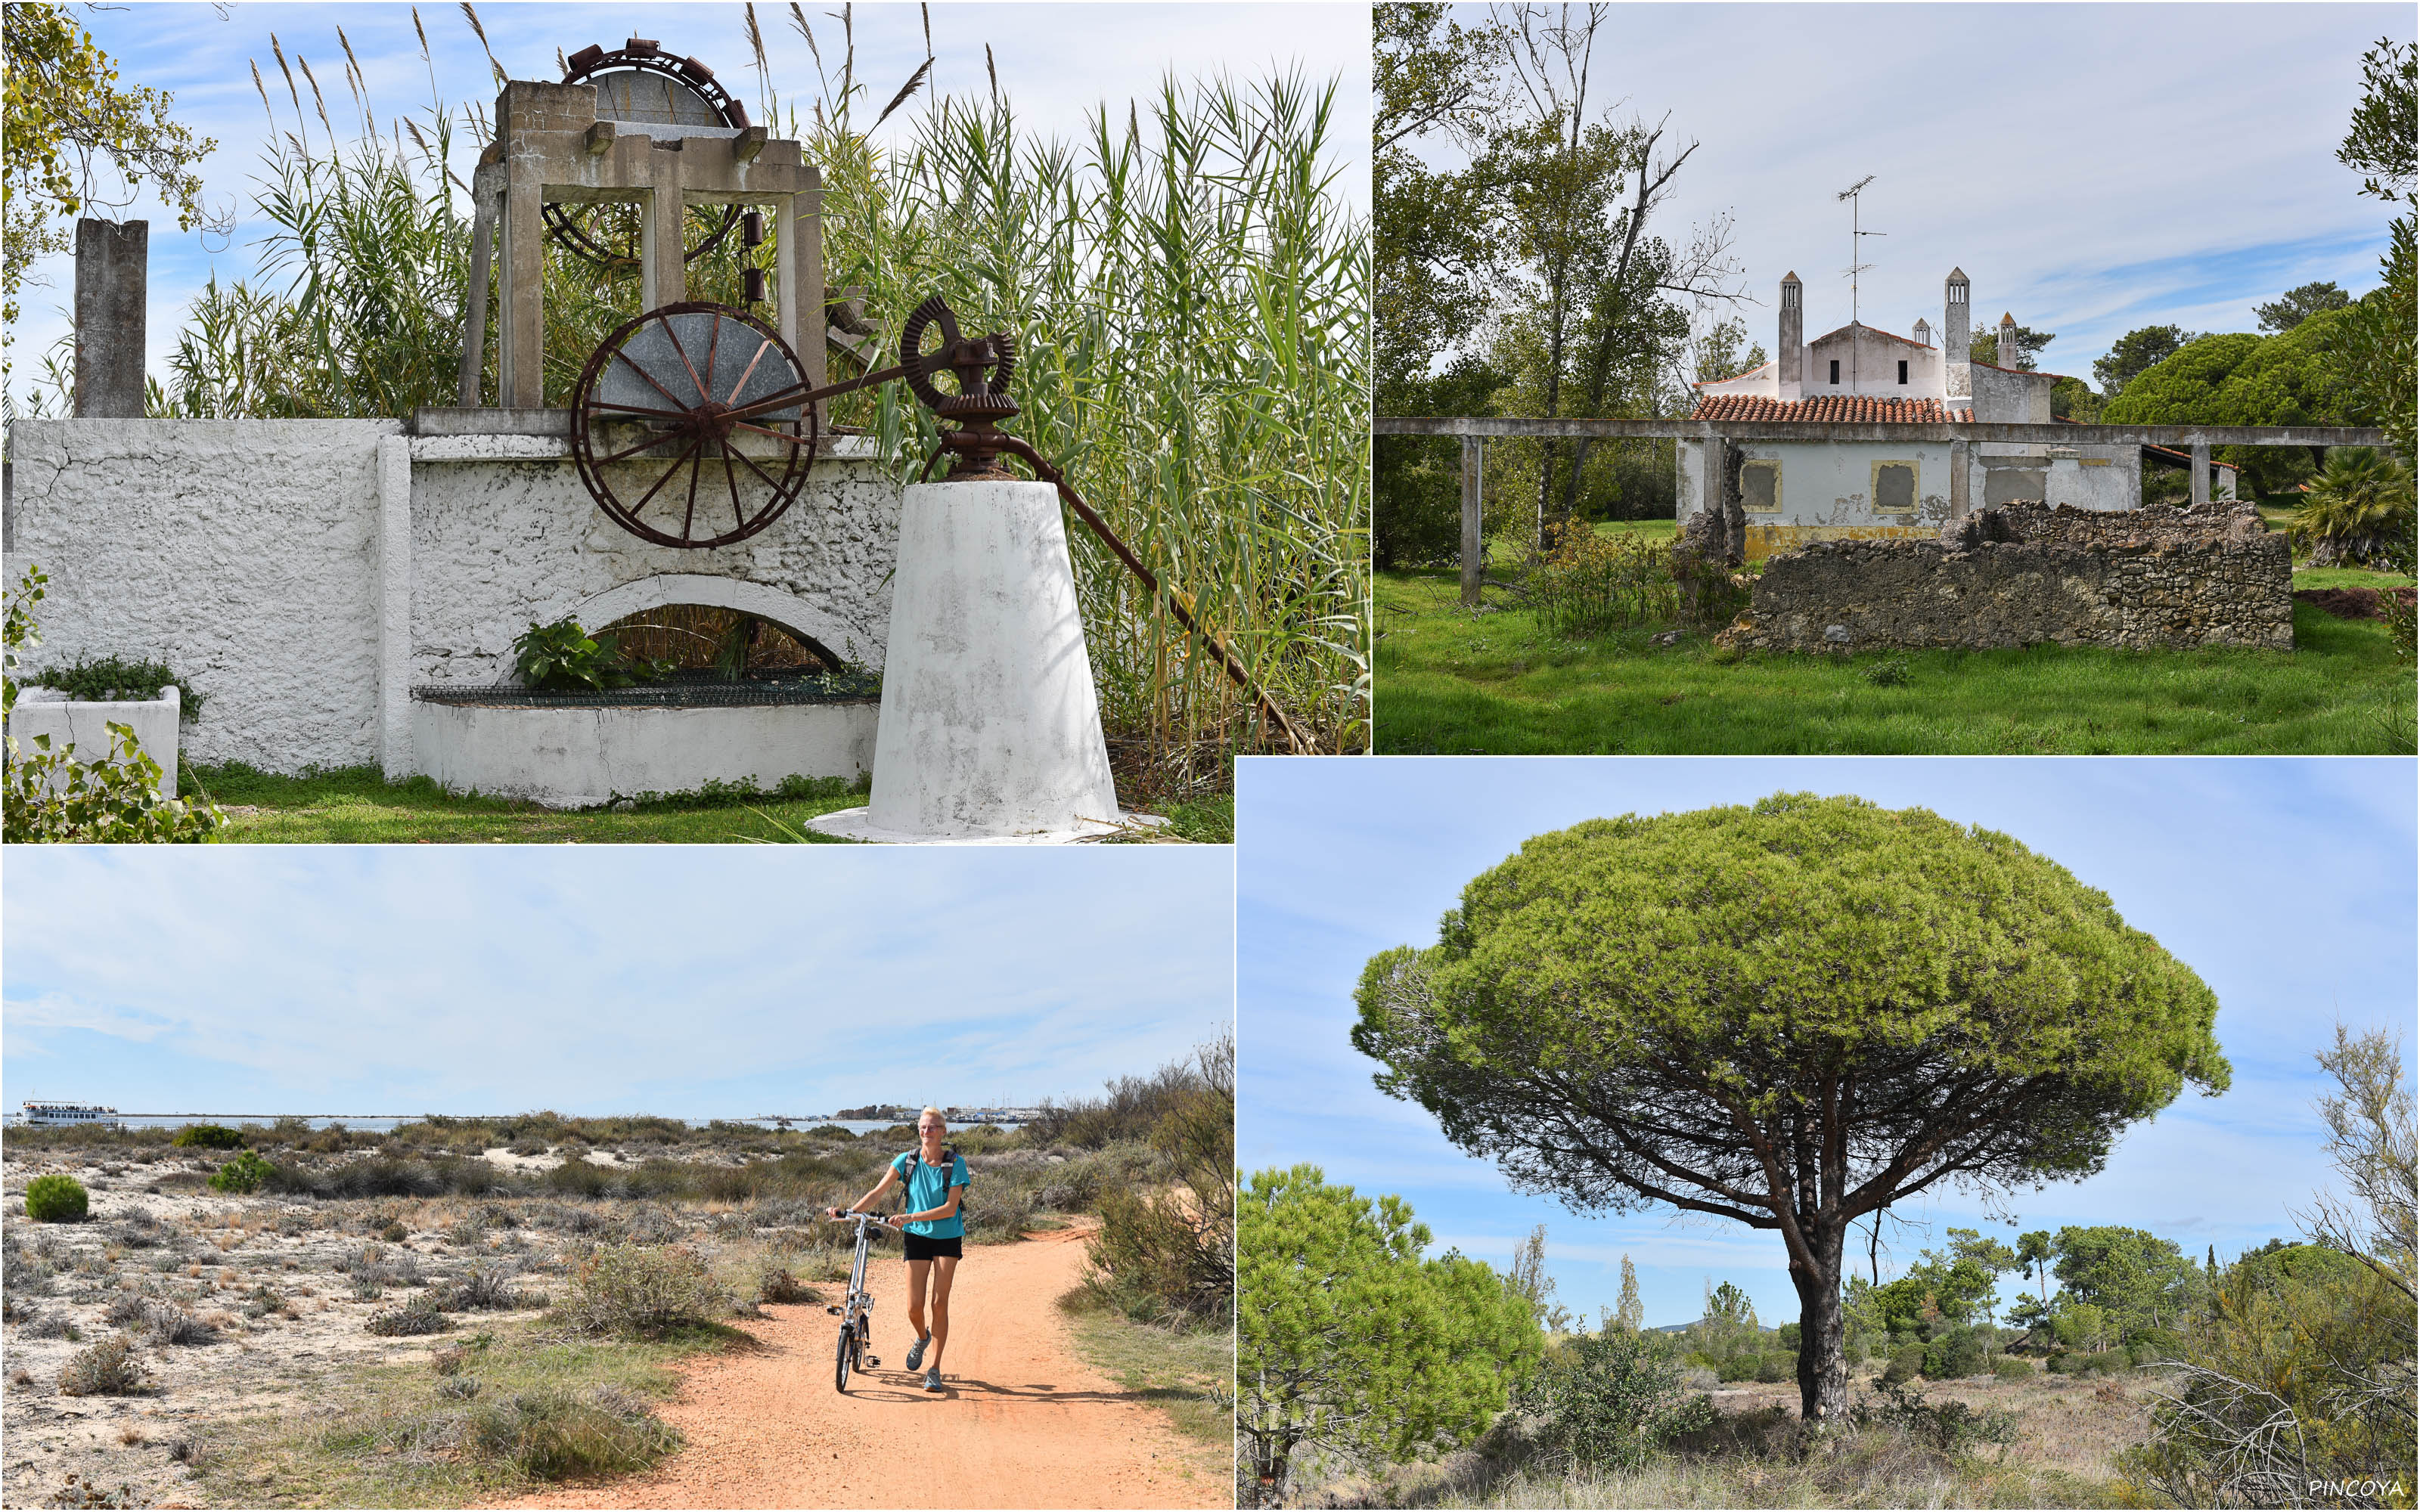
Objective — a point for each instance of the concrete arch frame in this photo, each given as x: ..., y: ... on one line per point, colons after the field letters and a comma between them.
x: 824, y: 633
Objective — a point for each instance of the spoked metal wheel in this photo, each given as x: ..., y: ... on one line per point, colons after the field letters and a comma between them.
x: 845, y: 1358
x: 689, y: 425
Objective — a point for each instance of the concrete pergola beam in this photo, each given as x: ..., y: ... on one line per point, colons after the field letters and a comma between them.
x: 2181, y: 438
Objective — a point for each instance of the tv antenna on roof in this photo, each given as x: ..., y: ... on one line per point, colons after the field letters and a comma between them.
x: 1856, y: 204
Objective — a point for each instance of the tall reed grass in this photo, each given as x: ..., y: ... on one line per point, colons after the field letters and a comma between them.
x: 1189, y: 294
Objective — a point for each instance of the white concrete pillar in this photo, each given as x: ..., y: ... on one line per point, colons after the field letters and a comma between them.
x: 1962, y: 488
x: 520, y: 335
x: 394, y: 607
x: 2201, y: 472
x: 487, y: 204
x: 991, y: 729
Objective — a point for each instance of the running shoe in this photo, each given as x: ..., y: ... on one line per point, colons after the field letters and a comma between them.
x: 933, y: 1378
x: 916, y: 1353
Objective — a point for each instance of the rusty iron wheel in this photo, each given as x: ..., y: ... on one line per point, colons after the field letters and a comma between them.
x: 699, y: 411
x: 688, y: 86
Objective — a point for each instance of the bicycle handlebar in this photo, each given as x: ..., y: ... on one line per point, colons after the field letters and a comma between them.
x: 844, y: 1217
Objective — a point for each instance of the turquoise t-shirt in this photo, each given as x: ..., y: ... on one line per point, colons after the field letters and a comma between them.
x: 929, y: 1189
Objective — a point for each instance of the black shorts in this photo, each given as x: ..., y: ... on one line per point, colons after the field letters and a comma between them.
x: 921, y: 1249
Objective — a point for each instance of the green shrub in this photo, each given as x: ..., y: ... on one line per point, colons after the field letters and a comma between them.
x: 643, y: 1291
x: 1775, y: 1367
x: 207, y: 1136
x: 779, y: 1286
x: 242, y: 1175
x: 108, y: 1368
x: 1732, y: 1367
x: 1953, y: 1355
x: 1950, y: 1425
x: 564, y: 657
x: 421, y: 1315
x: 553, y: 1435
x: 1905, y: 1362
x: 112, y: 678
x: 2008, y: 1367
x: 56, y: 1199
x: 2062, y: 1363
x: 1591, y: 585
x: 1890, y: 671
x: 2109, y: 1361
x: 1611, y: 1400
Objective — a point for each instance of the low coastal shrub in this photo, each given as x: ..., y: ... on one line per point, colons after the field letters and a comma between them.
x: 108, y: 1368
x: 56, y: 1199
x: 421, y: 1315
x: 243, y: 1175
x: 643, y: 1291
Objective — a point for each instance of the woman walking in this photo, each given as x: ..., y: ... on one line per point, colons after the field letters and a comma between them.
x: 933, y: 1181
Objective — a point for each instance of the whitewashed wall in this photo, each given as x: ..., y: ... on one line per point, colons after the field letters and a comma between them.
x: 304, y: 575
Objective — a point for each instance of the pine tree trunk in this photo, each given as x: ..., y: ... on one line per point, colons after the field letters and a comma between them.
x: 1823, y: 1331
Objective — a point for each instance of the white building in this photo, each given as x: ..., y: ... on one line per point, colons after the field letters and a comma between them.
x: 1797, y: 491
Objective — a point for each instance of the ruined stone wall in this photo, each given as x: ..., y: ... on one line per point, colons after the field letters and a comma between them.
x: 2025, y: 575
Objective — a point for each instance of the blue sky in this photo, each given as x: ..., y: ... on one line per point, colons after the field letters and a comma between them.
x: 1057, y: 64
x: 2094, y: 168
x: 689, y: 982
x: 2287, y: 884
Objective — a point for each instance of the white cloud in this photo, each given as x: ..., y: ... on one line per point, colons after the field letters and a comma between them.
x: 2092, y: 167
x: 509, y: 979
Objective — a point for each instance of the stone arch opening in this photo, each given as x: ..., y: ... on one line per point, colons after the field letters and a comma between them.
x: 682, y: 611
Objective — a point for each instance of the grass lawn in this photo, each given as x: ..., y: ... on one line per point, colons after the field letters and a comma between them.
x: 1451, y: 682
x: 357, y: 805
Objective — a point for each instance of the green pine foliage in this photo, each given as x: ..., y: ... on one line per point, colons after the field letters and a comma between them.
x: 1733, y: 966
x: 1354, y: 1345
x: 56, y: 1199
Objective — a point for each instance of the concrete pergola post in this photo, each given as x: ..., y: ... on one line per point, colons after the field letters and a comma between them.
x: 1961, y: 486
x: 112, y: 293
x: 2201, y: 472
x: 487, y: 204
x: 1474, y: 565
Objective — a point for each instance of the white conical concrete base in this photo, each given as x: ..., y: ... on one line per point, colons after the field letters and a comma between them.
x: 991, y: 730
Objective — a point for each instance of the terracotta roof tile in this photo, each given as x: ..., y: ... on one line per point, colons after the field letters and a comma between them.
x: 2186, y: 457
x: 1837, y: 408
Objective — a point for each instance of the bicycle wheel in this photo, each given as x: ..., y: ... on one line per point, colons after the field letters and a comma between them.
x: 841, y: 1363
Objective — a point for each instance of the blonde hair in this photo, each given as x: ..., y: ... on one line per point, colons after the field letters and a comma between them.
x: 936, y: 1114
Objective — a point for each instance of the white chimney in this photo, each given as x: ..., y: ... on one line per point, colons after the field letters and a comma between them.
x: 1953, y: 336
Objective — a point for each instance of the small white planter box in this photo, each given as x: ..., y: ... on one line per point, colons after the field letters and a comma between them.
x: 576, y: 757
x: 46, y: 711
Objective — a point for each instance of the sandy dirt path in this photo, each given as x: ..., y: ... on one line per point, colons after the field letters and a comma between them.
x: 1024, y: 1423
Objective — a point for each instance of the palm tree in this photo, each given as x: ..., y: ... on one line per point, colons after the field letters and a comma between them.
x: 2357, y: 513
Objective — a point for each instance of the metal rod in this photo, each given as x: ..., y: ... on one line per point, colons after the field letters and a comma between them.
x: 1178, y: 602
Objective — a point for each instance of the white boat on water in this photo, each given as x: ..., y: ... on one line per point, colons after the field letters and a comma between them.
x: 66, y: 1115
